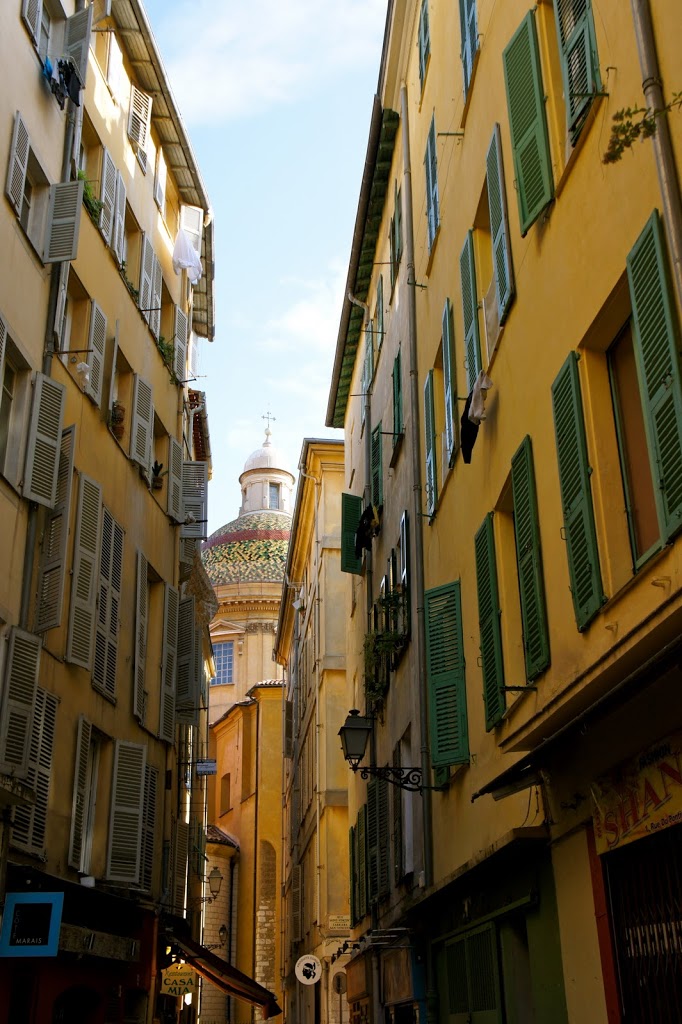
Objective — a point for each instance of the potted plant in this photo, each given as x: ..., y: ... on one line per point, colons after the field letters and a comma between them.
x: 117, y: 420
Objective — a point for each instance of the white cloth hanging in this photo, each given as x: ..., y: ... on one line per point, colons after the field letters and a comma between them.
x: 185, y: 257
x: 478, y: 397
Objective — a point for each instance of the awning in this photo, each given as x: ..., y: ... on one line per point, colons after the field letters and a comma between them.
x: 224, y: 976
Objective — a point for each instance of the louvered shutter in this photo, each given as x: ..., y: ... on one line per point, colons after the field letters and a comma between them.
x: 296, y: 903
x: 146, y: 276
x: 431, y: 165
x: 188, y: 548
x: 383, y: 838
x: 430, y: 446
x: 18, y: 700
x: 80, y: 793
x: 29, y: 825
x: 368, y: 364
x: 397, y: 399
x: 449, y: 383
x: 155, y: 312
x: 169, y: 664
x: 527, y: 122
x: 361, y: 836
x: 380, y: 311
x: 192, y: 223
x: 377, y: 467
x: 106, y: 629
x: 579, y: 63
x: 119, y: 229
x: 288, y: 729
x: 529, y: 562
x: 125, y: 819
x: 160, y: 181
x: 194, y: 499
x: 576, y: 495
x: 60, y: 308
x: 174, y: 496
x: 180, y: 867
x: 499, y: 226
x: 445, y: 676
x: 372, y: 842
x: 44, y: 441
x: 97, y: 343
x: 77, y: 40
x: 656, y: 351
x: 187, y: 688
x: 424, y: 40
x: 139, y: 117
x: 149, y: 803
x: 84, y: 578
x: 108, y: 197
x: 352, y: 876
x: 492, y: 665
x: 18, y: 162
x: 31, y: 14
x: 112, y: 368
x: 180, y: 344
x: 472, y: 339
x: 469, y: 32
x: 142, y: 428
x: 55, y: 536
x: 397, y: 798
x: 141, y: 628
x: 63, y: 221
x: 351, y: 511
x: 101, y: 10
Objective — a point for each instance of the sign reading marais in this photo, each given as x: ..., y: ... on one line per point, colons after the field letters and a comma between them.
x: 308, y: 969
x: 31, y: 924
x: 207, y: 766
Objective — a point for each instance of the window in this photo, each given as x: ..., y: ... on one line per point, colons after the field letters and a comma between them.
x: 6, y: 399
x: 472, y: 338
x: 351, y: 512
x: 424, y: 41
x: 449, y: 385
x: 430, y: 446
x: 398, y: 425
x: 223, y: 656
x: 396, y: 236
x: 529, y: 562
x: 469, y: 37
x: 160, y: 179
x: 110, y: 59
x: 376, y: 470
x: 274, y: 491
x: 579, y: 61
x: 445, y: 676
x: 225, y: 794
x: 492, y: 666
x: 431, y: 168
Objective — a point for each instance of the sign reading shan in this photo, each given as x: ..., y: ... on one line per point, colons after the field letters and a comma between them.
x: 178, y: 980
x: 642, y: 797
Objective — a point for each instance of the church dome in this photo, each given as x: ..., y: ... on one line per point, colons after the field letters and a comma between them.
x: 265, y: 457
x: 250, y: 549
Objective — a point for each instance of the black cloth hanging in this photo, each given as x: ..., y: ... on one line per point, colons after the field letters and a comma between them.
x: 468, y: 431
x: 369, y: 525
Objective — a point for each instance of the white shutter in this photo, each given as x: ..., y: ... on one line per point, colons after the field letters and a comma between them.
x: 60, y: 309
x: 160, y: 181
x: 141, y: 626
x: 119, y: 229
x: 97, y: 343
x: 112, y: 378
x: 169, y: 661
x: 77, y: 40
x: 29, y: 825
x: 80, y: 793
x: 125, y: 820
x: 186, y: 691
x: 139, y: 116
x: 174, y: 507
x: 146, y: 276
x: 194, y: 499
x: 63, y: 221
x: 155, y: 312
x: 151, y: 785
x: 188, y: 548
x: 192, y: 223
x: 114, y: 66
x: 3, y: 345
x: 18, y: 162
x: 180, y: 343
x: 142, y: 428
x: 106, y: 629
x: 31, y: 13
x: 107, y: 196
x: 180, y: 867
x: 55, y: 536
x: 84, y: 579
x: 44, y: 441
x: 18, y: 700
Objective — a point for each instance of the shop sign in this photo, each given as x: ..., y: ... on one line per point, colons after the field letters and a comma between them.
x: 31, y: 923
x: 308, y: 969
x: 207, y: 766
x: 178, y: 980
x: 642, y: 797
x: 338, y: 922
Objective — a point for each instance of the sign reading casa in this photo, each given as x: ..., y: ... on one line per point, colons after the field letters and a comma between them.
x: 643, y: 797
x: 178, y: 980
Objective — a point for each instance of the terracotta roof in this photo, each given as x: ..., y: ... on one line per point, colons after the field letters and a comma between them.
x: 216, y: 835
x: 252, y: 548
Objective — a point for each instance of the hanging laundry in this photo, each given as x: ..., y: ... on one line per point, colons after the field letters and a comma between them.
x: 72, y: 82
x: 368, y: 527
x: 185, y: 257
x: 468, y: 431
x: 478, y: 397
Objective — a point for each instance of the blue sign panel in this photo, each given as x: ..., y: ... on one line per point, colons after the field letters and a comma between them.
x: 31, y: 923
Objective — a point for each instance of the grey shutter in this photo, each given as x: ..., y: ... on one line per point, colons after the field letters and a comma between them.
x: 112, y: 364
x: 174, y: 495
x: 351, y: 511
x: 141, y: 628
x: 469, y: 33
x: 80, y: 793
x: 180, y: 867
x: 97, y: 343
x: 147, y: 258
x: 492, y: 665
x: 84, y: 579
x: 119, y: 229
x: 155, y: 312
x: 445, y: 672
x: 372, y: 841
x: 151, y: 786
x: 108, y: 197
x: 139, y: 117
x: 188, y: 548
x: 18, y: 162
x: 424, y: 40
x: 579, y: 63
x: 31, y: 15
x: 44, y: 441
x: 361, y: 834
x: 106, y: 628
x: 60, y: 308
x: 169, y: 664
x: 529, y: 562
x: 296, y: 903
x: 63, y: 221
x: 180, y: 344
x: 29, y: 825
x: 194, y: 499
x: 77, y: 40
x: 430, y: 446
x: 472, y: 339
x: 142, y: 427
x: 18, y: 700
x: 187, y: 685
x: 383, y: 838
x: 125, y: 819
x: 450, y: 384
x: 55, y: 536
x: 499, y: 226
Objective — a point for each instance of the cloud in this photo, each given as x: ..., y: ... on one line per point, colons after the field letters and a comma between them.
x: 237, y: 59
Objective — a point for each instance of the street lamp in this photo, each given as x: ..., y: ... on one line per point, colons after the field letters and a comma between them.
x: 354, y: 734
x: 215, y: 880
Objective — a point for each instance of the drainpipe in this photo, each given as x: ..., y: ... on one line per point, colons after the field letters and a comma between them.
x: 663, y: 151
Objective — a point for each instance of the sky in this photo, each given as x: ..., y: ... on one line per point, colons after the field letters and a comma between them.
x: 277, y: 98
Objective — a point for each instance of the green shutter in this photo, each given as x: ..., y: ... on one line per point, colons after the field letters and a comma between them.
x: 424, y: 41
x: 377, y: 467
x: 352, y: 876
x: 469, y: 34
x: 499, y: 226
x: 380, y: 311
x: 372, y: 842
x: 472, y: 341
x: 397, y: 399
x: 361, y: 834
x: 576, y: 495
x: 430, y: 446
x: 527, y: 122
x: 579, y: 61
x: 431, y: 165
x: 383, y: 837
x: 529, y: 562
x: 489, y: 623
x: 658, y: 369
x: 397, y: 798
x: 351, y: 510
x: 445, y: 675
x: 450, y: 383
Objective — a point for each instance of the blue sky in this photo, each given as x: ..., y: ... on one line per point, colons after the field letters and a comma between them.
x: 277, y: 97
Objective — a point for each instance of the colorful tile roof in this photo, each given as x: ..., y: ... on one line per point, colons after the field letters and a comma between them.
x: 252, y: 548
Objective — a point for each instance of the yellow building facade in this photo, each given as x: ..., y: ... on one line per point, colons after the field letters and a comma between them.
x: 519, y: 335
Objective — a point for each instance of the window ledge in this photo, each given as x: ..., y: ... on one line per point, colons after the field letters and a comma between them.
x: 467, y: 97
x: 397, y: 448
x: 579, y: 144
x: 432, y: 251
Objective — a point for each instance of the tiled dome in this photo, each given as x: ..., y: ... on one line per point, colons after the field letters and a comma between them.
x: 250, y: 549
